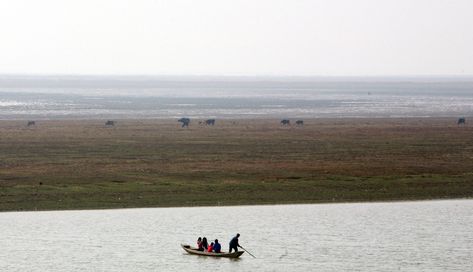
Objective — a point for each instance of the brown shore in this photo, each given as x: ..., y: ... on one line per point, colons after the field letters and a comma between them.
x: 82, y: 164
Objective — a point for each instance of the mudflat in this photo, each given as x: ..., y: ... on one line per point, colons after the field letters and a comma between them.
x: 83, y: 164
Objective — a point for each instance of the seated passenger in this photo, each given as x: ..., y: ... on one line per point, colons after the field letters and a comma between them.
x: 211, y: 247
x: 205, y: 244
x: 199, y: 245
x: 217, y: 247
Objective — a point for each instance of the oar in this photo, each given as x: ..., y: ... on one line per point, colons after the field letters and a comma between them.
x: 248, y: 252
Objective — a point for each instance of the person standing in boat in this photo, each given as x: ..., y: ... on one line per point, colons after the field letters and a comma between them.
x: 234, y: 245
x: 217, y: 247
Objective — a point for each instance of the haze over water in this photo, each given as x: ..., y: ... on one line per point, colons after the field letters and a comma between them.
x: 85, y: 97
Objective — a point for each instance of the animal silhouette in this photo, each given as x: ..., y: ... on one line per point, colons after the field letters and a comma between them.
x: 285, y: 122
x: 185, y: 122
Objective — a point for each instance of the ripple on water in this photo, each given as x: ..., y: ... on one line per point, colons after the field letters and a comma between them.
x: 406, y: 236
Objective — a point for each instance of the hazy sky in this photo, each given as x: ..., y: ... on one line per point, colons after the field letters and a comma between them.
x: 237, y: 37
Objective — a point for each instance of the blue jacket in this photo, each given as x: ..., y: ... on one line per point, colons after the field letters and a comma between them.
x: 217, y: 247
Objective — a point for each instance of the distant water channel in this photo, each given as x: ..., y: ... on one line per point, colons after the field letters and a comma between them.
x: 140, y: 98
x: 398, y: 236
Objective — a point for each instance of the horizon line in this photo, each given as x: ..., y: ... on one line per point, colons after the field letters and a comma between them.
x: 446, y: 76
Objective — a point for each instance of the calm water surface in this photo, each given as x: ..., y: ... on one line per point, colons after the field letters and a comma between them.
x: 408, y: 236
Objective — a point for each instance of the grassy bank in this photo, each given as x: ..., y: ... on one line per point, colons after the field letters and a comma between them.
x: 83, y: 164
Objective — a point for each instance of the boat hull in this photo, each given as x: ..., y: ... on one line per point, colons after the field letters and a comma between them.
x: 192, y: 250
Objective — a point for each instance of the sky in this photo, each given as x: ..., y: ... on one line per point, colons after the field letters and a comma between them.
x: 237, y: 37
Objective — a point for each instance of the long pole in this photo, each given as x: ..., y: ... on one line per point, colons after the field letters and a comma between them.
x: 248, y: 252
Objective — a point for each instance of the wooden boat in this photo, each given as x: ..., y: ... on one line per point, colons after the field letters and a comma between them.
x: 193, y: 250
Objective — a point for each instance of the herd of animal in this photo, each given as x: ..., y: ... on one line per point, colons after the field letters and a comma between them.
x: 186, y: 121
x: 109, y: 123
x: 287, y: 122
x: 211, y: 122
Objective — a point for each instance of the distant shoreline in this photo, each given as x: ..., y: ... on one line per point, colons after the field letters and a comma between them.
x: 452, y: 118
x: 252, y: 205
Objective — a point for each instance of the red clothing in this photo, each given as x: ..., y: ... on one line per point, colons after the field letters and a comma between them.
x: 210, y: 248
x: 200, y: 246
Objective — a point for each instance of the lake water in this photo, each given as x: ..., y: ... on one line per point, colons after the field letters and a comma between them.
x: 398, y: 236
x: 196, y: 97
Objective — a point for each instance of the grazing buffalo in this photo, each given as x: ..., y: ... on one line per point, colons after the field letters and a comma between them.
x: 300, y: 122
x: 285, y: 122
x: 31, y: 123
x: 185, y: 122
x: 210, y: 122
x: 461, y: 121
x: 110, y: 123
